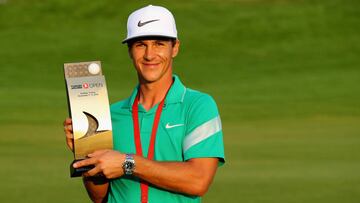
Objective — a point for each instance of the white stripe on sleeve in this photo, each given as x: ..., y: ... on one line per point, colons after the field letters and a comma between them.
x: 202, y: 132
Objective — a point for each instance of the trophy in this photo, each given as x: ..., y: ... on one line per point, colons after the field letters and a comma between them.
x: 89, y: 110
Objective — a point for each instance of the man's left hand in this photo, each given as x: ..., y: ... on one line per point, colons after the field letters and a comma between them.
x: 107, y: 162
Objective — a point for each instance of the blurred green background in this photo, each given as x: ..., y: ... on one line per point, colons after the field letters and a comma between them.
x: 285, y: 74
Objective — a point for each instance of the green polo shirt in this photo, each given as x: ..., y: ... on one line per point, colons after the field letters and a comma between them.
x: 189, y: 127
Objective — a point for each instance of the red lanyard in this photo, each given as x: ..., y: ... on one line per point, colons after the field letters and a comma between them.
x: 135, y: 114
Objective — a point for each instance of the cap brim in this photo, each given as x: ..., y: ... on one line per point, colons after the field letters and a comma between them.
x: 147, y: 37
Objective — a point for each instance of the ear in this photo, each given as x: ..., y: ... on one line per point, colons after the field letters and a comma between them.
x: 175, y: 49
x: 129, y: 52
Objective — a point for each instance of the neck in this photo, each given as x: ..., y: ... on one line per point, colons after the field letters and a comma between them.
x: 153, y: 93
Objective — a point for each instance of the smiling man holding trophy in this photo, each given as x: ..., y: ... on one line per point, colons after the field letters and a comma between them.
x: 167, y: 138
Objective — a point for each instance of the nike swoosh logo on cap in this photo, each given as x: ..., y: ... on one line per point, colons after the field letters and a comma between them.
x: 140, y: 24
x: 172, y: 126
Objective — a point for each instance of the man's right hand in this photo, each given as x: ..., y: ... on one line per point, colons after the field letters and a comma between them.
x: 69, y: 133
x: 97, y: 187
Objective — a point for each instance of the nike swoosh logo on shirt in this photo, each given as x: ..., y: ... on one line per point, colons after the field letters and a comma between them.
x: 140, y: 24
x: 172, y: 126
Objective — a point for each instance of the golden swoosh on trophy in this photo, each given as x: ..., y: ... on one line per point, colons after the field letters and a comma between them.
x: 93, y: 125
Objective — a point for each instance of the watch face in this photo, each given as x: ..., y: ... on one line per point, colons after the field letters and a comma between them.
x: 129, y: 165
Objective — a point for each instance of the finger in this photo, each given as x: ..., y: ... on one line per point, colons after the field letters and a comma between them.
x: 68, y: 133
x: 67, y: 121
x: 85, y: 162
x: 70, y: 143
x: 95, y: 171
x: 68, y: 128
x: 69, y: 139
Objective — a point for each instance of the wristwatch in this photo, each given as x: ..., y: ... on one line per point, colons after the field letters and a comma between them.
x: 129, y: 164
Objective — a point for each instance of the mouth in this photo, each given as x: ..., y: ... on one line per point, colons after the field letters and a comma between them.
x: 150, y: 65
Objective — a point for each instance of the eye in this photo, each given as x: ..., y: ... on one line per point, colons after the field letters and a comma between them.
x: 160, y: 43
x: 139, y: 44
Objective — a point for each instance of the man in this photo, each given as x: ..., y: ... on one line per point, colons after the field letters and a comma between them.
x: 167, y: 138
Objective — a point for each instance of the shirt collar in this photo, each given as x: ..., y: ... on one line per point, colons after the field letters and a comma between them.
x: 176, y: 93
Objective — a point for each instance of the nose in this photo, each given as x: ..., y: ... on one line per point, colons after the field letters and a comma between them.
x: 149, y: 53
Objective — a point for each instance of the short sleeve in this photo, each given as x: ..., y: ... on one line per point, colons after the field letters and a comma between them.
x: 203, y: 135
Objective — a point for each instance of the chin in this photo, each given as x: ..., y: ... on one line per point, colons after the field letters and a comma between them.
x: 151, y: 78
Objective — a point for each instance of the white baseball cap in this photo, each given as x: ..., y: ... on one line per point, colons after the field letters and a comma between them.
x: 151, y: 21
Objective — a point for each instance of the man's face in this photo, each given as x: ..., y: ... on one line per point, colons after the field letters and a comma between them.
x: 153, y: 58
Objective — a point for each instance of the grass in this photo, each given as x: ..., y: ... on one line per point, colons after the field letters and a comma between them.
x: 285, y: 75
x: 301, y: 162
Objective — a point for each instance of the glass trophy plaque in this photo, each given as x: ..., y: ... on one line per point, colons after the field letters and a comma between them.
x: 89, y: 110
